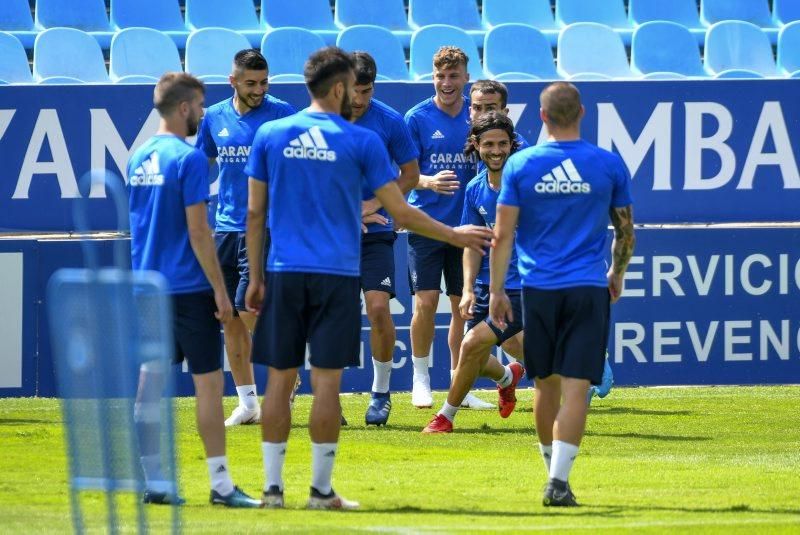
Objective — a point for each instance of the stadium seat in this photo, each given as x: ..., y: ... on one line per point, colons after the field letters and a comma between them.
x: 683, y: 12
x: 663, y: 76
x: 13, y: 61
x: 16, y: 19
x: 142, y: 52
x: 426, y: 41
x: 518, y: 48
x: 87, y: 15
x: 462, y: 14
x: 753, y: 11
x: 287, y: 77
x: 210, y: 51
x: 390, y: 14
x: 237, y: 15
x: 162, y: 15
x: 662, y: 46
x: 795, y: 74
x: 590, y: 76
x: 785, y: 11
x: 68, y: 53
x: 536, y: 13
x: 740, y: 74
x: 734, y: 44
x: 60, y: 80
x: 314, y: 15
x: 516, y: 77
x: 589, y: 47
x: 287, y: 49
x: 136, y: 78
x: 382, y: 44
x: 608, y: 12
x: 789, y: 48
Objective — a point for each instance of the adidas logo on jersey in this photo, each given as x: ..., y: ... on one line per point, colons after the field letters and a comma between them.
x: 437, y: 135
x: 563, y: 179
x: 482, y: 210
x: 310, y: 145
x: 386, y: 282
x: 223, y: 133
x: 148, y: 174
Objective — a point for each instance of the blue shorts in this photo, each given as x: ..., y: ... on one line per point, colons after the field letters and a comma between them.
x: 232, y: 254
x: 566, y: 332
x: 196, y: 331
x: 428, y: 259
x: 481, y: 313
x: 377, y: 262
x: 321, y: 310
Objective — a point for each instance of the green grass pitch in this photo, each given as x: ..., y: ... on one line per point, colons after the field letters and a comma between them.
x: 705, y: 460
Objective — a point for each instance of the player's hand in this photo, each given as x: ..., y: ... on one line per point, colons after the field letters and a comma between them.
x: 374, y: 218
x: 224, y: 311
x: 615, y: 285
x: 254, y: 297
x: 467, y: 304
x: 473, y: 237
x: 444, y: 182
x: 500, y: 310
x: 370, y: 207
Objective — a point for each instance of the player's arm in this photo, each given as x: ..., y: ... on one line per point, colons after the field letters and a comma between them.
x: 504, y: 229
x: 471, y: 262
x: 203, y: 246
x: 408, y: 179
x: 254, y: 240
x: 444, y: 182
x: 621, y: 248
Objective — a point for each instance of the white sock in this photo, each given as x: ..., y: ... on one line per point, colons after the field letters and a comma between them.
x: 322, y: 457
x: 220, y: 476
x: 547, y: 456
x: 248, y: 397
x: 274, y: 453
x: 448, y: 411
x: 381, y: 373
x: 564, y: 455
x: 506, y: 379
x: 420, y: 365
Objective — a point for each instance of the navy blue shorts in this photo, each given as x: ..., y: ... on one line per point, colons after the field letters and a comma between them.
x: 377, y: 262
x: 481, y: 313
x: 566, y: 332
x: 319, y: 309
x: 232, y: 254
x: 196, y: 331
x: 428, y: 259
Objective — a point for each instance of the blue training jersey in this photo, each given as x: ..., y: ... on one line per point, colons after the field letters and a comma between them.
x: 440, y: 140
x: 316, y: 166
x: 228, y: 136
x: 522, y: 143
x: 480, y: 208
x: 390, y: 127
x: 165, y: 175
x: 564, y: 191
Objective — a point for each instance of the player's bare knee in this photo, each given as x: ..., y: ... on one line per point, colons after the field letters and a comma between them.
x: 379, y: 314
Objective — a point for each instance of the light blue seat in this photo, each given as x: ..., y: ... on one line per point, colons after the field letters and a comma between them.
x: 389, y: 14
x: 237, y: 15
x: 795, y: 74
x: 664, y: 76
x: 739, y: 74
x: 785, y: 11
x: 136, y: 78
x: 87, y: 15
x: 591, y: 77
x: 16, y: 19
x: 662, y: 46
x: 214, y: 78
x: 462, y: 14
x: 754, y: 11
x: 426, y: 41
x: 589, y: 47
x: 286, y: 78
x: 683, y: 12
x: 314, y: 15
x: 287, y: 49
x: 13, y: 61
x: 515, y: 77
x: 210, y: 51
x: 735, y: 44
x: 69, y: 53
x: 162, y: 15
x: 382, y: 45
x: 142, y: 52
x: 518, y: 48
x: 60, y: 80
x: 536, y: 13
x: 789, y: 48
x: 610, y: 13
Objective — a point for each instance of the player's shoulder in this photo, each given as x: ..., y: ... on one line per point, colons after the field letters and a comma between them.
x: 277, y: 103
x: 384, y: 110
x: 219, y: 108
x: 360, y: 133
x: 476, y: 183
x: 420, y: 109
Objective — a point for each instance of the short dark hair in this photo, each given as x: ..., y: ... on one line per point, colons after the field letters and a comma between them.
x: 491, y: 87
x: 324, y: 68
x: 493, y: 120
x: 366, y: 70
x: 561, y: 101
x: 174, y: 88
x: 250, y: 59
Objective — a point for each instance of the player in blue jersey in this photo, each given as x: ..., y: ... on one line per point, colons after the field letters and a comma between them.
x: 168, y: 189
x: 377, y: 243
x: 558, y: 197
x: 226, y: 135
x: 313, y: 167
x: 486, y: 96
x: 439, y: 126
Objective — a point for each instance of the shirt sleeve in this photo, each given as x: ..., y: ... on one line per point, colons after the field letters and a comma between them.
x: 413, y: 131
x: 521, y: 141
x: 469, y: 215
x: 509, y: 192
x: 375, y: 164
x: 286, y: 110
x: 205, y: 141
x: 621, y: 196
x: 193, y: 173
x: 401, y: 147
x: 257, y: 162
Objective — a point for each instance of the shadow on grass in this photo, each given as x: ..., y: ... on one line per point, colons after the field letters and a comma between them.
x: 644, y: 436
x: 26, y: 421
x: 593, y: 511
x: 599, y: 409
x: 740, y: 508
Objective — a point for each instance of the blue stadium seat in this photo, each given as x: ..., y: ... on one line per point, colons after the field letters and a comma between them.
x: 662, y: 46
x: 738, y: 74
x: 210, y: 51
x: 390, y: 14
x: 214, y: 78
x: 589, y: 47
x: 590, y: 76
x: 663, y: 76
x: 287, y: 49
x: 287, y: 77
x: 426, y: 41
x: 237, y: 15
x: 459, y: 13
x: 68, y: 53
x: 162, y: 15
x: 735, y: 44
x: 608, y: 12
x: 87, y: 15
x: 516, y: 77
x: 135, y: 78
x: 382, y: 44
x: 536, y: 13
x: 314, y: 15
x: 16, y: 19
x: 753, y: 11
x: 785, y: 11
x: 142, y: 52
x: 13, y: 61
x: 60, y: 80
x: 795, y: 74
x: 683, y: 12
x: 788, y: 48
x: 518, y: 48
